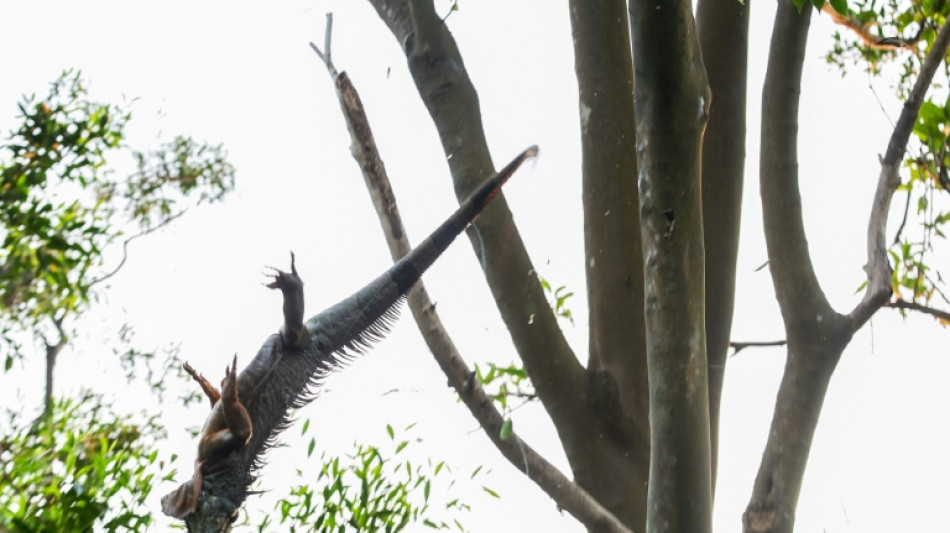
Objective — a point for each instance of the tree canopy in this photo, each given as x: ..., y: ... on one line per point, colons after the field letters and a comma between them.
x: 650, y: 206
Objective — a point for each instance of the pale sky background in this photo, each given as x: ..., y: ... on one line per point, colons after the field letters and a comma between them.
x: 243, y: 75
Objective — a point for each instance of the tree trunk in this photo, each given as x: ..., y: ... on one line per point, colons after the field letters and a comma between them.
x: 816, y: 333
x: 723, y: 27
x: 672, y: 103
x: 617, y: 359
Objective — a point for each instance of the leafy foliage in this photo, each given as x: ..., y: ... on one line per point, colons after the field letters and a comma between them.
x: 887, y: 31
x: 61, y: 207
x: 80, y: 468
x: 882, y: 31
x: 557, y: 299
x: 502, y: 383
x: 841, y: 6
x: 927, y: 179
x: 370, y: 489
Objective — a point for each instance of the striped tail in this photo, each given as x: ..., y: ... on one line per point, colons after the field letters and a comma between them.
x: 353, y: 325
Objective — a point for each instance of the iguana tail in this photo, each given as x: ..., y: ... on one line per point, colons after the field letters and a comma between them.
x: 351, y: 326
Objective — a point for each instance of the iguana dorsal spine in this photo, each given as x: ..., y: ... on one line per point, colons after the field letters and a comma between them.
x: 290, y: 367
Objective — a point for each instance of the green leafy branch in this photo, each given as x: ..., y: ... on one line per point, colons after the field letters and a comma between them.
x: 371, y: 489
x: 82, y: 467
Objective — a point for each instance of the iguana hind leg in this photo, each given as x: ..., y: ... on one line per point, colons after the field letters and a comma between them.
x: 235, y: 415
x: 210, y: 391
x: 219, y: 441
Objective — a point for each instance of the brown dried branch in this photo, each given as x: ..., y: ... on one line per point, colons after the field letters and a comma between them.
x: 863, y: 31
x: 567, y: 494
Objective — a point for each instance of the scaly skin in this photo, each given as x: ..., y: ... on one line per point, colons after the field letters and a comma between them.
x: 289, y: 369
x: 229, y: 426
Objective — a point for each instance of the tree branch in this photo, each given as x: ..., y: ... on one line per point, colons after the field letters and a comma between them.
x: 125, y: 246
x: 863, y: 31
x: 439, y: 73
x: 723, y: 27
x: 565, y: 493
x: 878, y: 269
x: 672, y: 107
x: 739, y: 346
x: 603, y: 64
x: 816, y: 333
x: 913, y: 306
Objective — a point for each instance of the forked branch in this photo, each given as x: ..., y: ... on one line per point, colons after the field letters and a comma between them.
x: 567, y: 494
x: 878, y: 269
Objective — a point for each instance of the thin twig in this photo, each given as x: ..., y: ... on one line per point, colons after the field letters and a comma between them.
x: 900, y: 229
x: 325, y: 54
x: 125, y: 246
x: 739, y: 346
x: 913, y: 306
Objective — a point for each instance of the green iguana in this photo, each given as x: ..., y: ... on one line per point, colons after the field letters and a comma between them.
x: 253, y: 407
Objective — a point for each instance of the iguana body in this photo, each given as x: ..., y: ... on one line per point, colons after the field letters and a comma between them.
x: 252, y: 409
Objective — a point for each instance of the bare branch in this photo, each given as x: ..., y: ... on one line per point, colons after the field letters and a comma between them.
x: 563, y: 491
x: 125, y: 246
x: 438, y: 70
x: 913, y: 306
x: 325, y: 55
x: 878, y: 269
x: 739, y: 346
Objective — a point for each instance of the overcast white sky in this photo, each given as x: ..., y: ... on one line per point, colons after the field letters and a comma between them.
x: 243, y: 75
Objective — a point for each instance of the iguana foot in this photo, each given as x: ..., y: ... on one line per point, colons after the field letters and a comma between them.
x: 293, y: 332
x: 229, y: 392
x: 209, y: 390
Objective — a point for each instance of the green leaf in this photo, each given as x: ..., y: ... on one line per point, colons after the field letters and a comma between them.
x: 489, y: 491
x: 841, y: 6
x: 506, y: 429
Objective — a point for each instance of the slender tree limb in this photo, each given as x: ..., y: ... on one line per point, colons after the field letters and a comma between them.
x: 324, y: 55
x: 816, y: 333
x: 603, y: 64
x: 914, y: 306
x: 877, y: 267
x: 604, y: 67
x: 863, y: 31
x: 126, y: 242
x: 739, y: 346
x: 446, y: 90
x: 723, y: 27
x: 796, y: 285
x: 53, y: 350
x: 565, y: 493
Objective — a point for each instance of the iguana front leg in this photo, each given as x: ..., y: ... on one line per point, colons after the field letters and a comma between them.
x: 210, y: 391
x: 293, y: 332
